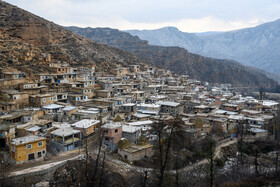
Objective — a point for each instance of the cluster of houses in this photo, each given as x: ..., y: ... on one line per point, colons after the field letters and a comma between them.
x: 54, y: 111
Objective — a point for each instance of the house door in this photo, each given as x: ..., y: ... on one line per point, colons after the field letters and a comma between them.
x: 2, y: 143
x: 31, y: 156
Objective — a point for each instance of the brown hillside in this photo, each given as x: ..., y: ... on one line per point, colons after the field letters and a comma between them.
x: 26, y: 39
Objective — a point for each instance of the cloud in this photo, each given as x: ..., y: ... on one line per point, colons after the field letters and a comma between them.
x: 187, y: 25
x: 187, y: 15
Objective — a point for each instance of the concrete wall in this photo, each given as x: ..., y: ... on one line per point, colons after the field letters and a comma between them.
x: 131, y: 137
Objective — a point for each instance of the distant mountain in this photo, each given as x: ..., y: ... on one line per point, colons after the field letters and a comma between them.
x: 169, y: 36
x: 207, y: 33
x: 178, y: 59
x: 27, y: 40
x: 258, y: 46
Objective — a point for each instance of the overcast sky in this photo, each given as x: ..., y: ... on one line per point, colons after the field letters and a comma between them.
x: 187, y: 15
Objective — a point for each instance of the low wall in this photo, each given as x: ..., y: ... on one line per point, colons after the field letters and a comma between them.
x: 29, y: 179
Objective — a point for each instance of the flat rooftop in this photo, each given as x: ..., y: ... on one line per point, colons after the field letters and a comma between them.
x: 26, y: 139
x: 168, y: 103
x: 112, y: 125
x: 52, y: 106
x: 85, y: 123
x: 139, y: 123
x: 65, y: 132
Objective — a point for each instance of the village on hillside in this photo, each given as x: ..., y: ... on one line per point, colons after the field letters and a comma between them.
x: 48, y: 114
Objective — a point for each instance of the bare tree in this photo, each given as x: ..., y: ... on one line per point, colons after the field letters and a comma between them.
x: 102, y: 169
x: 100, y: 142
x: 210, y: 153
x: 241, y: 129
x: 87, y: 157
x: 4, y: 173
x: 276, y: 131
x: 256, y: 152
x: 217, y: 130
x: 166, y: 132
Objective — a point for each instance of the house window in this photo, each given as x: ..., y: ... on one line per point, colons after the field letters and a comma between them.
x: 116, y: 130
x: 29, y: 146
x: 13, y: 149
x: 106, y: 138
x: 43, y: 151
x: 85, y: 97
x: 39, y: 154
x: 44, y: 99
x: 106, y: 131
x: 51, y: 98
x: 40, y: 144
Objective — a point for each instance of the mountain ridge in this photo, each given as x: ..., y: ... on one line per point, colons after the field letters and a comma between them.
x: 177, y: 59
x: 255, y: 46
x: 28, y: 41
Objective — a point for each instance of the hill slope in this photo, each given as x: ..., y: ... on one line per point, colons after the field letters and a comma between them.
x: 258, y: 46
x: 27, y: 40
x: 178, y: 59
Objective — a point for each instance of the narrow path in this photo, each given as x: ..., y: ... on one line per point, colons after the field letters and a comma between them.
x: 42, y: 167
x: 204, y: 161
x: 116, y: 160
